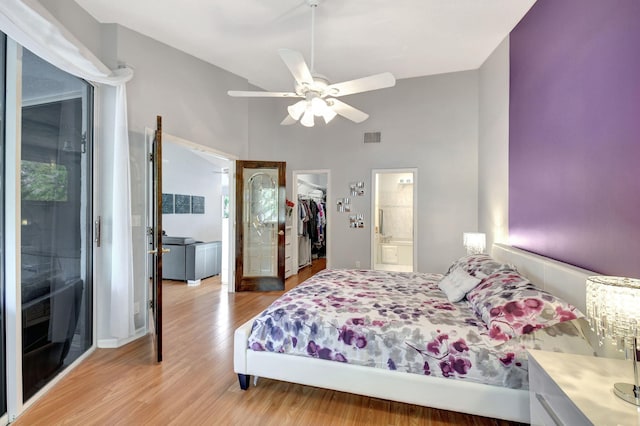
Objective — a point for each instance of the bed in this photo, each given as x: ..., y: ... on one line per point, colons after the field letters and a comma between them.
x: 455, y: 363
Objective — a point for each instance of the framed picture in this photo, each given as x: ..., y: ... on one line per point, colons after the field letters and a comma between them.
x: 183, y: 204
x: 197, y: 204
x: 225, y: 207
x: 167, y: 204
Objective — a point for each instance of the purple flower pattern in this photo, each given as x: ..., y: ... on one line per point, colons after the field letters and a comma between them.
x: 389, y: 320
x: 512, y: 306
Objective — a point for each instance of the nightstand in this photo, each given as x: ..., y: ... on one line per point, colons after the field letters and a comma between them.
x: 567, y: 389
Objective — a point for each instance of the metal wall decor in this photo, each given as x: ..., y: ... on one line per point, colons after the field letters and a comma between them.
x: 356, y: 221
x: 356, y: 189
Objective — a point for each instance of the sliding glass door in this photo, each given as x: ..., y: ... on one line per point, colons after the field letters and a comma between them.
x: 55, y: 221
x: 3, y: 327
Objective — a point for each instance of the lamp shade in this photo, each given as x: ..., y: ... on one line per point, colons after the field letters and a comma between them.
x: 474, y: 242
x: 307, y: 118
x: 613, y: 306
x: 296, y: 110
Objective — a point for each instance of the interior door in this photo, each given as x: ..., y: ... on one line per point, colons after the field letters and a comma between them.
x: 260, y: 221
x: 155, y: 234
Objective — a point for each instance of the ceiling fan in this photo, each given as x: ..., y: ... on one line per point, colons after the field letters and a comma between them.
x: 318, y: 95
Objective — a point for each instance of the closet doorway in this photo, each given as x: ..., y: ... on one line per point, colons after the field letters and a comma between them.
x: 310, y: 218
x: 394, y: 211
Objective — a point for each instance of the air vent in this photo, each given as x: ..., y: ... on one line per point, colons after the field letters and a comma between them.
x: 372, y: 137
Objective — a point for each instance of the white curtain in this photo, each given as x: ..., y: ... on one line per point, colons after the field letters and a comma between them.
x: 32, y: 26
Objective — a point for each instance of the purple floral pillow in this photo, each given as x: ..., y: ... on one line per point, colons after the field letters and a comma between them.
x: 479, y: 265
x: 511, y: 305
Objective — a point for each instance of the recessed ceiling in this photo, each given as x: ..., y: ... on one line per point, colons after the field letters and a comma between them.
x: 354, y: 38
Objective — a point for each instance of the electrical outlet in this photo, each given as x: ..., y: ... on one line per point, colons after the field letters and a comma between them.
x: 136, y: 307
x: 357, y: 263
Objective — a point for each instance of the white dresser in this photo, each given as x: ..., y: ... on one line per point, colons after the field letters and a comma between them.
x: 288, y: 259
x: 570, y: 390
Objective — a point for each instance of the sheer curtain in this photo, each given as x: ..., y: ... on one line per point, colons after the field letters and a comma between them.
x: 32, y: 26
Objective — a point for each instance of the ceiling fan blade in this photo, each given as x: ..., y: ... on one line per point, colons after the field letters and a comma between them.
x: 257, y: 94
x: 296, y: 64
x: 364, y: 84
x: 288, y: 121
x: 347, y: 111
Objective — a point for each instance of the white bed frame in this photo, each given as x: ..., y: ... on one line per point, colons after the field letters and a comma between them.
x: 566, y: 281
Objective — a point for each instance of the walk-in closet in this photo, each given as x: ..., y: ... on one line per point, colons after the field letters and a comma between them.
x: 311, y: 217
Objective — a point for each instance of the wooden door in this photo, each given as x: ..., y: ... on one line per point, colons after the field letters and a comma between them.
x: 155, y: 233
x: 260, y: 225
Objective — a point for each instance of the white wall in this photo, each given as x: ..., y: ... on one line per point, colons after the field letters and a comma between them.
x: 430, y: 123
x: 184, y: 172
x: 493, y: 158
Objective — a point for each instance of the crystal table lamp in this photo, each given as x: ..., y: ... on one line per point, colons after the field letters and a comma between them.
x: 474, y: 242
x: 613, y: 309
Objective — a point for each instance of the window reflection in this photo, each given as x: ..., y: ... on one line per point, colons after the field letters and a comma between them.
x: 55, y: 216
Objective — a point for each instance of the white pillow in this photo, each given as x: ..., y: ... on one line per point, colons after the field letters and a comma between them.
x: 457, y: 284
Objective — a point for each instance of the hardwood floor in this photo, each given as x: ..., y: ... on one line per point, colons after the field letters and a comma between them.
x: 196, y: 385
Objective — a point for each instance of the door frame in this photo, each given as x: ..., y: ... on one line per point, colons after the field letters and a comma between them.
x: 374, y: 188
x: 328, y: 214
x: 231, y: 158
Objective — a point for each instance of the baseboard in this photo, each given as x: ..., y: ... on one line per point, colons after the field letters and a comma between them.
x: 116, y: 343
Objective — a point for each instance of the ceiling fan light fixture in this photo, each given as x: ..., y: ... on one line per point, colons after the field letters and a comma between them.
x: 329, y: 115
x: 296, y: 110
x: 307, y: 118
x: 319, y: 96
x: 318, y: 106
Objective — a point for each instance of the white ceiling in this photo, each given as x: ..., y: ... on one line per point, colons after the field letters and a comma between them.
x: 354, y: 38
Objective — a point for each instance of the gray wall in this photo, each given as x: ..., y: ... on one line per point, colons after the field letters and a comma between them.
x: 184, y: 172
x: 430, y: 123
x: 493, y: 147
x: 188, y: 93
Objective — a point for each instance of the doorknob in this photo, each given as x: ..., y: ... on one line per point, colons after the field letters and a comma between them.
x: 280, y: 232
x: 155, y: 251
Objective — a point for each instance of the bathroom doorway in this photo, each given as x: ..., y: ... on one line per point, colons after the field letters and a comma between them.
x: 393, y: 209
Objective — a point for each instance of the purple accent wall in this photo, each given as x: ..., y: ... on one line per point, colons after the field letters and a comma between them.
x: 574, y: 143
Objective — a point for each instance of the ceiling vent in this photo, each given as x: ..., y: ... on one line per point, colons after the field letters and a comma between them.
x: 372, y: 137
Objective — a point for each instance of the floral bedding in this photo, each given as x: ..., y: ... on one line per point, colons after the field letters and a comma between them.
x: 389, y: 320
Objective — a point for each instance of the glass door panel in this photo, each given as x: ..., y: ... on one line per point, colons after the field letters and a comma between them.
x: 55, y: 230
x: 261, y: 222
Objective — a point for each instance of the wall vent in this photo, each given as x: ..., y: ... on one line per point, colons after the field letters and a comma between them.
x: 372, y: 137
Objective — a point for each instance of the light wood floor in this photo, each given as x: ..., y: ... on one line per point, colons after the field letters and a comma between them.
x: 195, y: 384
